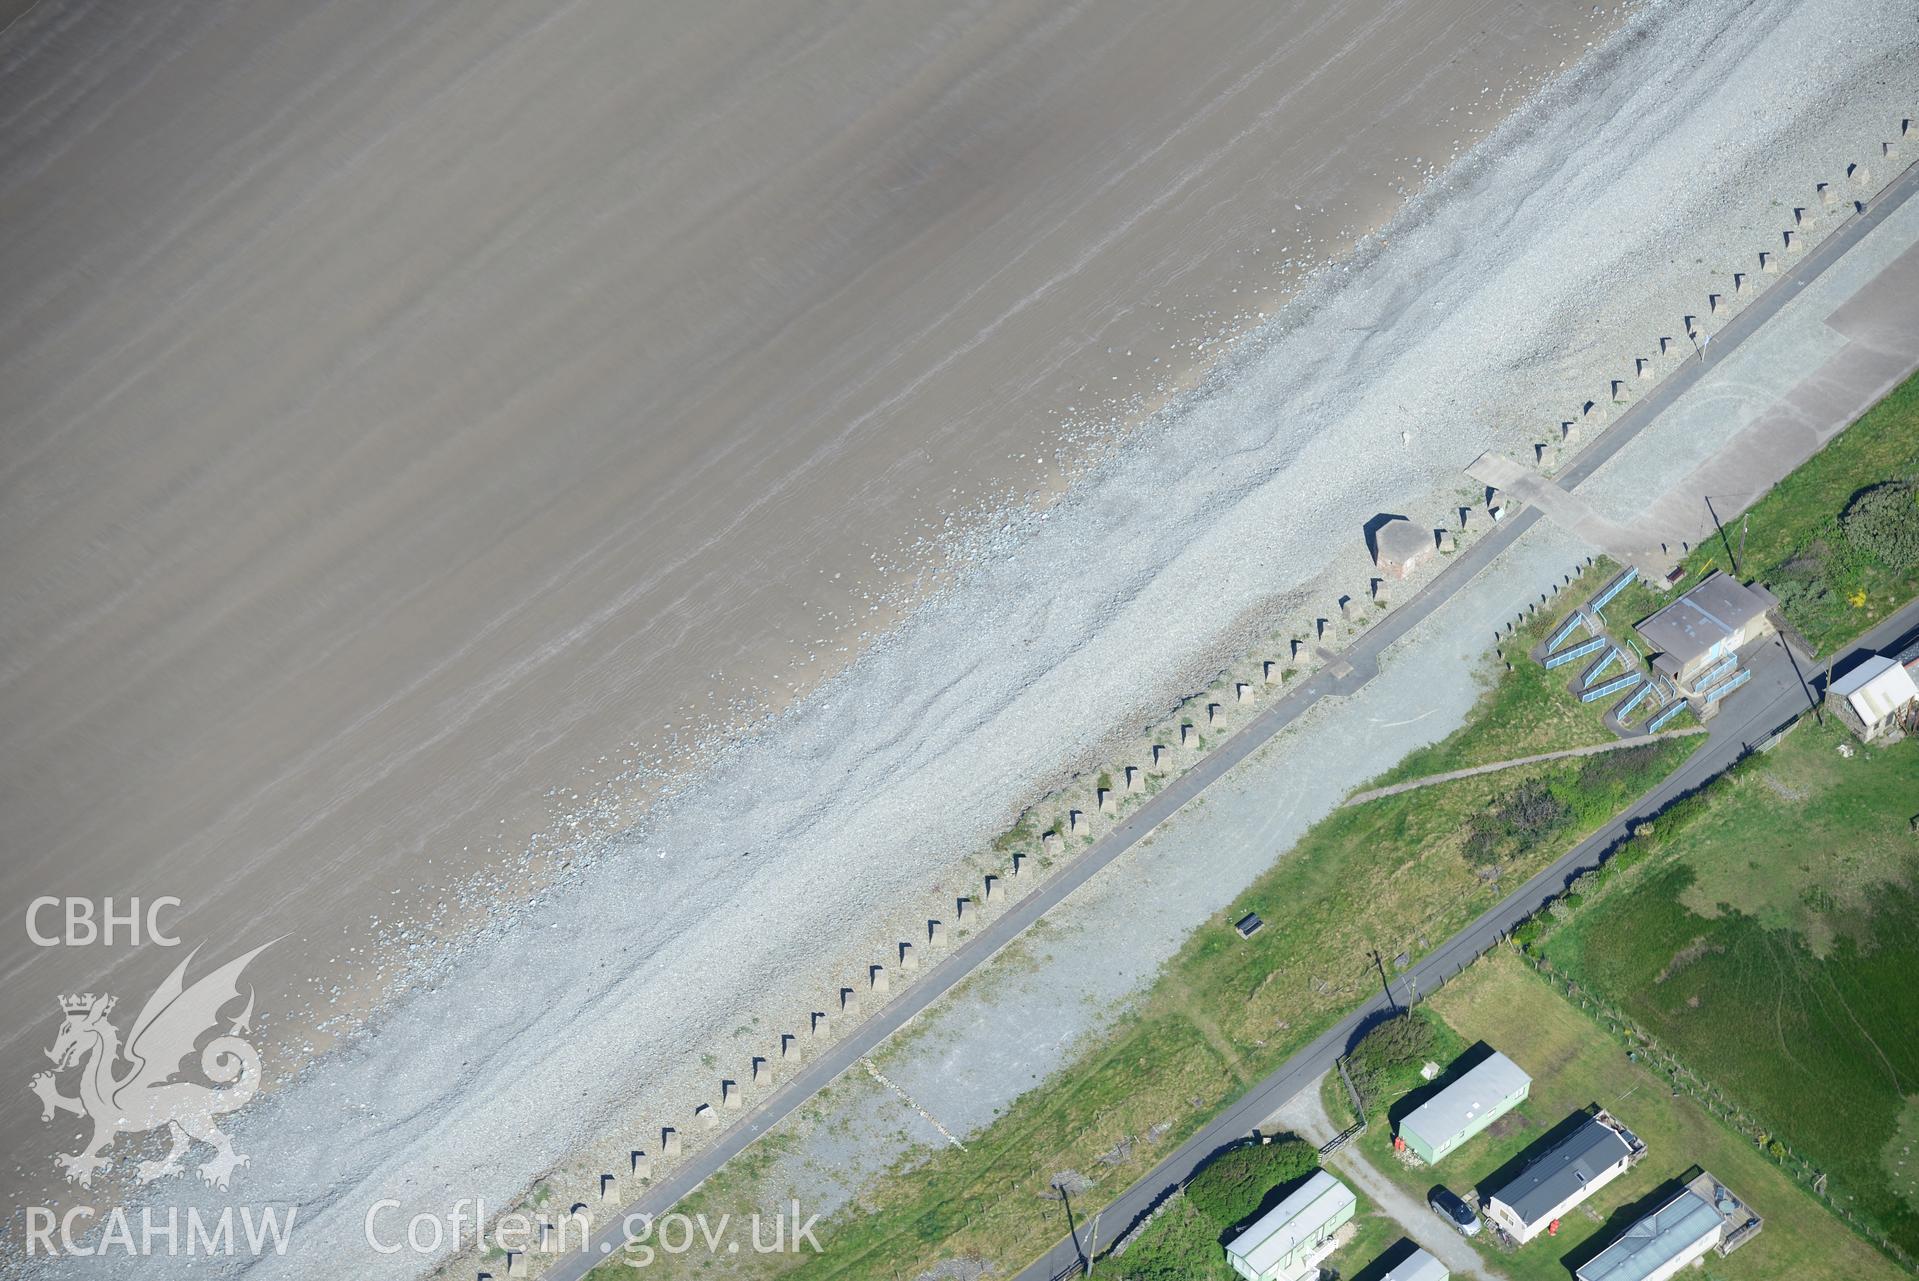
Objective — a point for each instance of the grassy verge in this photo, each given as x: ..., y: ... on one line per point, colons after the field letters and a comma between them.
x: 1769, y: 947
x: 1523, y: 712
x: 1576, y: 1062
x: 1392, y: 875
x: 1794, y: 541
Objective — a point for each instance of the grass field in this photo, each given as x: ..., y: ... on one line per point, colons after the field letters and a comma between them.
x: 1793, y: 542
x: 1771, y: 946
x: 1390, y: 875
x: 1575, y: 1063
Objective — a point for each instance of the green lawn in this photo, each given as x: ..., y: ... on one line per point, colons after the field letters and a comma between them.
x: 1771, y: 946
x: 1390, y: 875
x: 1574, y: 1063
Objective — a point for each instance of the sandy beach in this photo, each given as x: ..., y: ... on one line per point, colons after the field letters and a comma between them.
x: 411, y: 415
x: 427, y: 424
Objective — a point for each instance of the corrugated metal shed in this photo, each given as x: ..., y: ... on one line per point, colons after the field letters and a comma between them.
x: 1877, y: 688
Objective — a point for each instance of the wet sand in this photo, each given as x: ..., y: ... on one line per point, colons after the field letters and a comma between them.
x: 419, y: 423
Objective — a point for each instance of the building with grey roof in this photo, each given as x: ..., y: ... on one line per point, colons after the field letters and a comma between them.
x: 1659, y: 1244
x: 1716, y: 619
x: 1558, y: 1179
x: 1418, y: 1266
x: 1482, y: 1095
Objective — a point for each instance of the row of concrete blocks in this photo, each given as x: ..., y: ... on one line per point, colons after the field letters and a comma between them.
x: 1518, y: 620
x: 1793, y: 240
x: 879, y: 978
x: 1352, y: 608
x: 549, y: 1237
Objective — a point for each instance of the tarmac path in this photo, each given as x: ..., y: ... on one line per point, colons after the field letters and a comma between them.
x: 1638, y: 740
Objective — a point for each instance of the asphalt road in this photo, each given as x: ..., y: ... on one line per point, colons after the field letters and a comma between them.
x: 1773, y: 698
x: 1360, y: 664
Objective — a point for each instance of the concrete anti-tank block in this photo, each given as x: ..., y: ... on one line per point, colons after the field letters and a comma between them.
x: 730, y: 1094
x: 1135, y: 779
x: 878, y: 979
x: 639, y: 1164
x: 670, y: 1140
x: 1103, y: 800
x: 790, y: 1044
x: 994, y: 892
x: 762, y: 1073
x: 706, y: 1116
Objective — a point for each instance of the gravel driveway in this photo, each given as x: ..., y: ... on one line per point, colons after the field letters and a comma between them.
x: 1306, y: 1115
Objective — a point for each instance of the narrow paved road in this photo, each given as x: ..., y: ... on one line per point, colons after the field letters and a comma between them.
x: 1353, y: 667
x: 1772, y: 698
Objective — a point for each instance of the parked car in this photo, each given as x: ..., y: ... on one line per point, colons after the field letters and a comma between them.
x: 1447, y: 1205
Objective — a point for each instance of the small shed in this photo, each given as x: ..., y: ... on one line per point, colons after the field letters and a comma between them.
x: 1481, y: 1095
x: 1249, y: 925
x: 1294, y: 1235
x: 1875, y: 698
x: 1558, y: 1179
